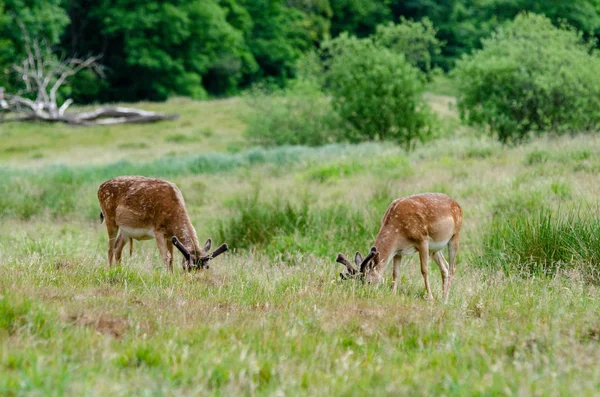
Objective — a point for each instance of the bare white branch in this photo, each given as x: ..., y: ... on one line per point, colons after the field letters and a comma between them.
x: 42, y: 74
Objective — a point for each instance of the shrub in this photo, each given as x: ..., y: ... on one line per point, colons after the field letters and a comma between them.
x: 531, y: 77
x: 541, y: 241
x: 376, y: 92
x: 299, y: 115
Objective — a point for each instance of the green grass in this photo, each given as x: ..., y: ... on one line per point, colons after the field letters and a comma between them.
x: 543, y: 242
x: 214, y: 126
x: 271, y: 316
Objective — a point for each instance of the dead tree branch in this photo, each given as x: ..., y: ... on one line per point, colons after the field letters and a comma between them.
x: 42, y: 75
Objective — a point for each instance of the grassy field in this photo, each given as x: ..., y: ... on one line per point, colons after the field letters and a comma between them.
x: 271, y: 317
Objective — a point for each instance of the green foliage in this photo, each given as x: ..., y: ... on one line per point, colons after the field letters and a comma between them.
x: 462, y: 24
x: 531, y: 77
x: 358, y: 16
x: 299, y: 115
x: 416, y: 40
x: 542, y: 241
x: 190, y: 41
x: 45, y: 19
x: 376, y: 92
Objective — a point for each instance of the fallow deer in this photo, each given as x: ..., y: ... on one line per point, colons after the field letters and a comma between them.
x: 423, y: 223
x: 142, y: 209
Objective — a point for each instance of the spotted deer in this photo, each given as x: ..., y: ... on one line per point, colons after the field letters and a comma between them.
x: 143, y: 209
x: 424, y: 223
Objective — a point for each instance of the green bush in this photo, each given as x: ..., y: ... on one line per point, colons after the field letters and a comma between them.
x: 376, y: 92
x: 299, y: 115
x: 531, y: 77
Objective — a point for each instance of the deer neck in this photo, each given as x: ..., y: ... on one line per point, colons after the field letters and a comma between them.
x: 386, y: 250
x: 188, y: 237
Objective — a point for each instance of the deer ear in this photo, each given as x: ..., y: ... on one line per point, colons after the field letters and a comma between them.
x: 358, y: 259
x: 207, y: 245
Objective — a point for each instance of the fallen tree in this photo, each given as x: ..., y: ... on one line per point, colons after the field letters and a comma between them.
x: 41, y: 76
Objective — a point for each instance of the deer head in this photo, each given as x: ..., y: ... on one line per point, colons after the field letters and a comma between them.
x: 198, y: 260
x: 365, y: 266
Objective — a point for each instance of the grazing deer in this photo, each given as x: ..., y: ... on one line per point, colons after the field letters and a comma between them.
x: 423, y: 223
x: 144, y: 208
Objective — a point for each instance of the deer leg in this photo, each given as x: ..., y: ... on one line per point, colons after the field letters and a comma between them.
x: 130, y: 246
x: 170, y: 252
x: 438, y: 257
x: 161, y: 241
x: 112, y: 230
x: 119, y: 245
x: 452, y: 251
x: 423, y: 256
x: 397, y: 261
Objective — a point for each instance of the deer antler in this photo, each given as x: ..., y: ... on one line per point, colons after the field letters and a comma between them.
x: 342, y: 259
x: 363, y: 265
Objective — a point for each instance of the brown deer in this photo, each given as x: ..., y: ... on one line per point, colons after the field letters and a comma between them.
x: 423, y: 223
x: 142, y: 209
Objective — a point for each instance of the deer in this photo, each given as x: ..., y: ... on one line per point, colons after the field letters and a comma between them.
x: 140, y: 208
x: 425, y: 223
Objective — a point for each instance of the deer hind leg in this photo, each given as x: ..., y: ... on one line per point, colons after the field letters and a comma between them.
x: 423, y: 256
x: 119, y: 245
x: 112, y: 230
x: 452, y: 251
x: 438, y: 257
x: 397, y: 261
x: 130, y: 246
x: 161, y: 241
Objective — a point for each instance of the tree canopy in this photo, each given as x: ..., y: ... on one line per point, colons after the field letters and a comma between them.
x: 156, y: 49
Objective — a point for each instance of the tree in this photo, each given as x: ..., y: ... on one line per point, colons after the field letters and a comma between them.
x: 416, y: 40
x: 359, y: 17
x: 280, y: 36
x: 531, y: 77
x: 376, y: 92
x: 41, y: 18
x: 156, y: 49
x: 42, y: 75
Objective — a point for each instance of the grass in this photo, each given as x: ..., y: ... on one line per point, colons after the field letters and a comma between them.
x: 214, y: 126
x: 271, y: 316
x: 542, y: 241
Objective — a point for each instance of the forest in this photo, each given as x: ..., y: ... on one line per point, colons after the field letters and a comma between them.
x: 153, y: 50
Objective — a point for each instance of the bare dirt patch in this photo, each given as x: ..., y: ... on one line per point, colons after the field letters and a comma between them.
x: 102, y: 323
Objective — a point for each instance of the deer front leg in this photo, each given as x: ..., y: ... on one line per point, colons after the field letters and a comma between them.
x: 423, y: 256
x: 161, y: 241
x: 170, y: 253
x: 397, y: 262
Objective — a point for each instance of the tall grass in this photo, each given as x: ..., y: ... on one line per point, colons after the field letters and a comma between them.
x: 543, y: 241
x: 282, y: 227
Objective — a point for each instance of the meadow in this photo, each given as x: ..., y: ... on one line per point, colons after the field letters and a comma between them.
x: 272, y: 317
